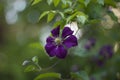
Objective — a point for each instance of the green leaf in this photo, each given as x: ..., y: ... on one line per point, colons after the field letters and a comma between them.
x: 56, y: 2
x: 50, y: 16
x: 86, y: 2
x: 100, y: 2
x: 82, y: 75
x: 64, y: 2
x: 71, y: 17
x: 95, y: 10
x: 68, y: 11
x: 60, y: 23
x: 49, y: 2
x: 77, y: 14
x: 62, y: 15
x: 25, y: 62
x: 112, y: 15
x: 81, y: 19
x: 57, y: 23
x: 30, y: 68
x: 36, y: 1
x: 69, y: 3
x: 43, y: 14
x: 47, y: 75
x: 35, y: 59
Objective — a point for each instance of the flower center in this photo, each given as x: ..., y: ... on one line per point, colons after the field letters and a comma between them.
x: 58, y: 40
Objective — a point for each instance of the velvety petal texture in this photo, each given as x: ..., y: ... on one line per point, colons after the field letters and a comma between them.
x: 66, y: 32
x: 67, y: 40
x: 55, y: 32
x: 60, y: 51
x: 70, y: 41
x: 50, y: 39
x: 49, y: 49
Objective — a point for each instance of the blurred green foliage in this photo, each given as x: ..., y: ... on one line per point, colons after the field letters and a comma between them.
x: 21, y: 42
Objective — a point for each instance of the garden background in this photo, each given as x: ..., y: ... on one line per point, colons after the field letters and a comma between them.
x: 25, y: 25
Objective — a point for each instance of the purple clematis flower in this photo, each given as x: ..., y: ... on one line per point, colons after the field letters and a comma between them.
x: 90, y: 43
x: 106, y: 51
x: 99, y: 61
x: 57, y: 45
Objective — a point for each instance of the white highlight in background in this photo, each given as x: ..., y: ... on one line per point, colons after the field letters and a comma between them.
x: 11, y: 16
x: 74, y: 27
x: 19, y: 5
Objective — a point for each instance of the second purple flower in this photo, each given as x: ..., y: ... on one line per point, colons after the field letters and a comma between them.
x: 58, y: 44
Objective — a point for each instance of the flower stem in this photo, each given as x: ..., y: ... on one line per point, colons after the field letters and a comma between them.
x: 39, y: 68
x: 45, y: 69
x: 53, y: 65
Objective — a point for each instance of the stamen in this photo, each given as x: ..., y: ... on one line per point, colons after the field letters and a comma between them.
x: 58, y: 40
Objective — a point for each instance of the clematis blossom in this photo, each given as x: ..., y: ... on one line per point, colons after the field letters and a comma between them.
x: 90, y: 43
x: 106, y: 51
x: 58, y: 44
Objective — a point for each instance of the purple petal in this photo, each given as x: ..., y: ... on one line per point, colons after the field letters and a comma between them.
x: 100, y: 63
x: 50, y: 39
x: 87, y: 46
x: 66, y: 32
x: 49, y: 48
x: 60, y: 52
x: 106, y: 51
x: 98, y: 60
x: 92, y: 41
x: 55, y: 31
x: 70, y: 41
